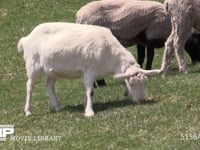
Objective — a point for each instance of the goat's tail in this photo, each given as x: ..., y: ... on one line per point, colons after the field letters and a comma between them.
x: 20, y: 45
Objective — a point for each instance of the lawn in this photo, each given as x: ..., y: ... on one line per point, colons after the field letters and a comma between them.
x: 169, y: 119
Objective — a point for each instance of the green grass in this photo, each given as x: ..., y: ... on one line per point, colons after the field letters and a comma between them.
x: 170, y: 112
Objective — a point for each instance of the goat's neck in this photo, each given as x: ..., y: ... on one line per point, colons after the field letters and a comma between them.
x: 124, y: 65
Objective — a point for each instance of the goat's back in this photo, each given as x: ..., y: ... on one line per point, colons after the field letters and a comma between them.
x: 72, y: 48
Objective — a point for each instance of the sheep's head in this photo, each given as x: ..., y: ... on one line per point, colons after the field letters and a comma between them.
x: 135, y: 79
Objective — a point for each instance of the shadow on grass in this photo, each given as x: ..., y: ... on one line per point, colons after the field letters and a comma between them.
x: 102, y: 106
x: 192, y: 68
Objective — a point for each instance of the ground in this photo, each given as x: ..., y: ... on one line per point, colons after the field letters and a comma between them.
x: 169, y: 119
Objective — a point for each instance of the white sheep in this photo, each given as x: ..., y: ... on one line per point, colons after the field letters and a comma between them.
x: 72, y: 51
x: 144, y: 23
x: 184, y: 15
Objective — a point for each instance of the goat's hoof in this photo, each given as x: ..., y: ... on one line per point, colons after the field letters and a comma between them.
x: 28, y: 113
x: 89, y: 113
x: 138, y: 101
x: 59, y: 108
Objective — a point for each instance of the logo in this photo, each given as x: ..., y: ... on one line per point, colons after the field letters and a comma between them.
x: 6, y: 130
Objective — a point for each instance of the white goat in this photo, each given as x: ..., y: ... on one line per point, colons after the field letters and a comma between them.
x: 184, y: 15
x: 74, y: 50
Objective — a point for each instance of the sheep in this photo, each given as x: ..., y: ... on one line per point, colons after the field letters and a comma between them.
x: 184, y: 16
x: 69, y: 50
x: 144, y: 23
x: 192, y: 47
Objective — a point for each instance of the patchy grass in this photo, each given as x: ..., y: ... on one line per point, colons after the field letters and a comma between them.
x: 169, y: 119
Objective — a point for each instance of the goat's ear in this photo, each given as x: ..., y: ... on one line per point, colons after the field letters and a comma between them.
x: 150, y: 72
x: 121, y: 76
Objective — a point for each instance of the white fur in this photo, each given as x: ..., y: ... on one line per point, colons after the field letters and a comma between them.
x: 72, y: 51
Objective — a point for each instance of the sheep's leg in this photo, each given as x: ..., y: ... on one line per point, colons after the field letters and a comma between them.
x: 180, y: 38
x: 50, y: 86
x: 150, y: 56
x: 168, y: 52
x: 101, y: 82
x: 141, y: 54
x: 29, y: 86
x: 181, y: 29
x: 89, y: 96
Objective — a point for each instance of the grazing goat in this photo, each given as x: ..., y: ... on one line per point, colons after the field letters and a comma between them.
x: 184, y: 16
x: 72, y: 51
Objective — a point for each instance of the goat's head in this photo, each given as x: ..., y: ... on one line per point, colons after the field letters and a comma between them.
x: 135, y: 79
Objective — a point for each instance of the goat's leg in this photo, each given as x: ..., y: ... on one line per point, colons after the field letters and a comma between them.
x: 50, y: 87
x: 29, y: 87
x: 32, y: 74
x: 89, y: 96
x: 141, y: 54
x: 126, y: 91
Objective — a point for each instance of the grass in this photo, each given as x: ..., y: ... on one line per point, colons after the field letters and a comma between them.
x: 167, y: 120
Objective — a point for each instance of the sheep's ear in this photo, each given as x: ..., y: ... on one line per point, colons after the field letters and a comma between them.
x: 121, y: 76
x: 150, y: 72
